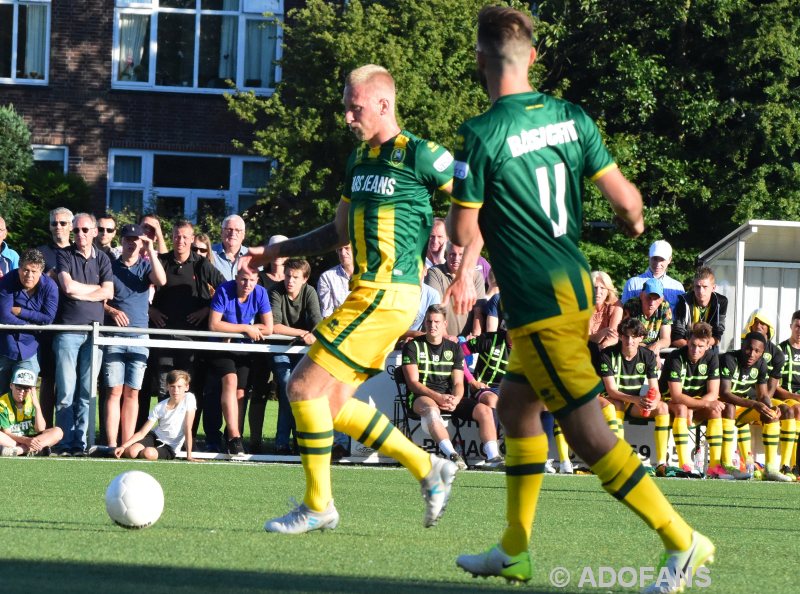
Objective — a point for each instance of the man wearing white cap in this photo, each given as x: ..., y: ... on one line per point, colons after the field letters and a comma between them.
x: 660, y: 258
x: 22, y: 426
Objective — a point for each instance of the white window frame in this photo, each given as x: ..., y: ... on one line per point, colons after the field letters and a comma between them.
x: 14, y: 79
x: 248, y: 11
x: 190, y: 195
x: 52, y: 147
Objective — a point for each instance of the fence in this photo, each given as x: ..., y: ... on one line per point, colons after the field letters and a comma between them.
x: 100, y: 336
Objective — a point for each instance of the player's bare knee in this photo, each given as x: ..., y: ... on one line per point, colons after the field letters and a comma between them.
x: 151, y: 454
x: 662, y: 408
x: 679, y: 410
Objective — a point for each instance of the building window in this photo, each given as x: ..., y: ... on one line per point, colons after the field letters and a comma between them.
x: 50, y: 157
x: 197, y: 45
x: 182, y: 185
x: 24, y: 41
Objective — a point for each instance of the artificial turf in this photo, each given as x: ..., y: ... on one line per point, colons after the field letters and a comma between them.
x: 58, y: 537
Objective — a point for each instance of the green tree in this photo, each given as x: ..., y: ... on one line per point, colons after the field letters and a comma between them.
x: 16, y: 157
x: 699, y: 101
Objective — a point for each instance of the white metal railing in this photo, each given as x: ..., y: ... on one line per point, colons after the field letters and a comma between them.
x: 100, y: 336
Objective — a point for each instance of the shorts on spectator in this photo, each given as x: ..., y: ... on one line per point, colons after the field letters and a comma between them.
x: 238, y: 363
x: 9, y: 366
x: 124, y: 364
x: 150, y: 440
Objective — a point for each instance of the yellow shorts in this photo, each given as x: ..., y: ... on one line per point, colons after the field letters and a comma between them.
x: 555, y: 361
x: 353, y: 342
x: 750, y: 416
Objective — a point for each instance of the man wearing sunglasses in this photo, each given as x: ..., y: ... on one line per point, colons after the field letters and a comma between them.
x: 106, y: 233
x: 60, y: 228
x: 85, y: 280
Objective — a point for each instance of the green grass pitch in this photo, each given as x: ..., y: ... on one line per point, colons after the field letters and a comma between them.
x: 58, y: 537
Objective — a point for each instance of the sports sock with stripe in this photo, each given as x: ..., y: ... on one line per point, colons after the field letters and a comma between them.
x: 680, y: 433
x: 714, y: 439
x: 624, y: 477
x: 314, y: 442
x: 368, y: 425
x: 525, y: 458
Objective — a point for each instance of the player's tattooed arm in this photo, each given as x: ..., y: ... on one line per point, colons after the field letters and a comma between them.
x: 319, y: 241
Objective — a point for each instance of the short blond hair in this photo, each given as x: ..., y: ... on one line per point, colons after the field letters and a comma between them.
x: 605, y: 280
x: 370, y: 74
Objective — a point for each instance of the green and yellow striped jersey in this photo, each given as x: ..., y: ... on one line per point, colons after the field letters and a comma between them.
x: 522, y: 163
x: 19, y: 421
x: 389, y: 189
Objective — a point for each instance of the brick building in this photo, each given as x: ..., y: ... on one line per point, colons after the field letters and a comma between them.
x: 128, y: 94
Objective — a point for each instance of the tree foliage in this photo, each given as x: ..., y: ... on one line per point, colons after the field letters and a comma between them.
x: 698, y: 101
x: 16, y: 156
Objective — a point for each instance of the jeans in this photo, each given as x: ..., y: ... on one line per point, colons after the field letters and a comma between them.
x: 282, y: 366
x: 73, y: 353
x: 8, y: 367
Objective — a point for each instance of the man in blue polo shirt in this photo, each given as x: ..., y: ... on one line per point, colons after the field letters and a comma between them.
x: 85, y: 280
x: 26, y: 297
x: 124, y: 365
x: 660, y: 259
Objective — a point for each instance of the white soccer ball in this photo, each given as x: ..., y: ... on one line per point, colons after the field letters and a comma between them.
x: 134, y: 499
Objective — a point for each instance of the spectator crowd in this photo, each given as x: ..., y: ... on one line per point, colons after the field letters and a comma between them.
x: 656, y: 350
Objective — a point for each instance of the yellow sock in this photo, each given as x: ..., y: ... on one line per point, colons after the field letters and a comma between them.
x: 794, y: 447
x: 620, y: 414
x: 680, y: 432
x: 788, y: 431
x: 610, y: 415
x: 744, y: 441
x: 769, y: 436
x: 728, y: 429
x: 624, y: 477
x: 314, y: 441
x: 561, y: 443
x: 662, y: 438
x: 714, y: 439
x: 368, y: 425
x: 525, y: 458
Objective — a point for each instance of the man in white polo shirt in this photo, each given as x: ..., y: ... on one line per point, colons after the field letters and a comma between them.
x: 660, y: 259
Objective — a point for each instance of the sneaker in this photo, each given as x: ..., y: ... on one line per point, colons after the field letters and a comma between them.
x: 786, y: 471
x: 691, y: 471
x: 737, y: 474
x: 9, y: 451
x: 436, y: 489
x: 566, y: 467
x: 495, y: 562
x: 456, y: 459
x: 675, y: 566
x: 772, y: 473
x: 235, y: 448
x: 45, y: 451
x: 99, y: 451
x: 78, y: 453
x: 301, y: 520
x: 495, y: 463
x: 548, y: 467
x: 718, y: 472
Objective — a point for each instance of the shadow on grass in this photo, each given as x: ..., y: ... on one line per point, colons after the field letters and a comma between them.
x: 67, y: 577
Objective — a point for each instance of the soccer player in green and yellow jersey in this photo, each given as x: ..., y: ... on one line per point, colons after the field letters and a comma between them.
x: 789, y: 392
x: 691, y: 373
x: 518, y: 175
x: 385, y: 214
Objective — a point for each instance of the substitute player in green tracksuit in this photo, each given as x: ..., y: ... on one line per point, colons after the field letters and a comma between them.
x: 518, y: 175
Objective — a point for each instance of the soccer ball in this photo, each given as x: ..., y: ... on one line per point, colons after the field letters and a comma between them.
x: 134, y: 499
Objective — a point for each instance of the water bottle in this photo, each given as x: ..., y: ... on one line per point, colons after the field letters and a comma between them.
x: 652, y: 396
x: 735, y: 460
x: 749, y: 464
x: 699, y: 457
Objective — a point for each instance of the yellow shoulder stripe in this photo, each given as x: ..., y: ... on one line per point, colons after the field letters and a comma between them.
x: 466, y: 204
x: 603, y: 171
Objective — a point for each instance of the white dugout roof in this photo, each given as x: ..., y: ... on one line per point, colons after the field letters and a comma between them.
x: 759, y: 261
